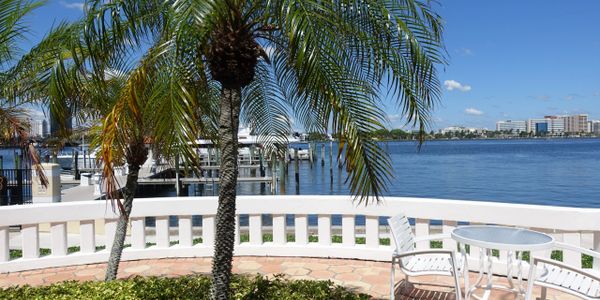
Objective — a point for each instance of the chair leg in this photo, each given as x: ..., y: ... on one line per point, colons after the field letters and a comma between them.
x: 456, y: 281
x: 530, y: 280
x: 392, y: 280
x: 543, y: 296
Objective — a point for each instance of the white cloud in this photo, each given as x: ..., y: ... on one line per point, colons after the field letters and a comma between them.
x: 473, y: 111
x: 572, y: 96
x: 465, y: 51
x: 542, y: 97
x: 72, y: 5
x: 455, y: 85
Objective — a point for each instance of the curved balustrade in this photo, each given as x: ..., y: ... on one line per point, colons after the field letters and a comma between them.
x: 88, y: 223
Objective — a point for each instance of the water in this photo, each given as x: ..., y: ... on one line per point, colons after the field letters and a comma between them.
x: 562, y: 172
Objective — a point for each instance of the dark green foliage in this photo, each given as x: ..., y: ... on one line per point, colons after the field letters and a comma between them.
x: 185, y: 287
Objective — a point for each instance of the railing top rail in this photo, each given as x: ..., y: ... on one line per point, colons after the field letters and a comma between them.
x: 540, y: 216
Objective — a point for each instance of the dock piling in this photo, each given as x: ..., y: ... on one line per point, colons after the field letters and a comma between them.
x: 323, y: 155
x: 296, y: 169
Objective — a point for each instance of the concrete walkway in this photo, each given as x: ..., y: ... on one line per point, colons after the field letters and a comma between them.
x: 365, y: 276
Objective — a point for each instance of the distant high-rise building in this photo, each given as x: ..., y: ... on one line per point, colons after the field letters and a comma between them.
x: 595, y: 127
x: 45, y: 131
x: 541, y: 128
x: 532, y: 124
x: 556, y: 124
x: 576, y: 123
x: 510, y: 125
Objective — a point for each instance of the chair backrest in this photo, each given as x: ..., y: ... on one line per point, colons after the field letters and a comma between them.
x: 402, y: 233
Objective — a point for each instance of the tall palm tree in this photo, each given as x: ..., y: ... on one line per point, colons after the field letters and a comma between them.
x: 328, y: 64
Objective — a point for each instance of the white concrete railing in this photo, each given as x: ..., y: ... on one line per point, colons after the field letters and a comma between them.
x: 89, y: 222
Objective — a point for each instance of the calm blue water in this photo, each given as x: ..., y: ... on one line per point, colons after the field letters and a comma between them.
x: 563, y: 172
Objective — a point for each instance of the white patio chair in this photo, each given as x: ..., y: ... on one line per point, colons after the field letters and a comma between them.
x: 582, y: 283
x: 420, y: 262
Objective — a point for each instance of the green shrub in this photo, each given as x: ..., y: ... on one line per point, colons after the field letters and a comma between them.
x: 184, y: 287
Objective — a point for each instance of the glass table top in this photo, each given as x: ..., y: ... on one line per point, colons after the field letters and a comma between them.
x: 502, y: 237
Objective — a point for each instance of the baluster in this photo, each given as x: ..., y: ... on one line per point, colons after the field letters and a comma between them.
x: 596, y: 245
x: 372, y: 231
x: 348, y: 230
x: 447, y: 227
x: 208, y: 230
x: 422, y: 229
x: 301, y: 229
x: 87, y: 234
x: 162, y: 231
x: 255, y: 229
x: 324, y: 229
x: 185, y: 231
x: 4, y: 243
x: 279, y: 235
x: 237, y: 230
x: 110, y: 228
x: 570, y: 257
x: 31, y: 240
x: 58, y: 233
x: 503, y: 256
x: 138, y: 233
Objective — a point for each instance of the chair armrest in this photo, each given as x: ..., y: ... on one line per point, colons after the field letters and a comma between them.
x: 581, y: 250
x: 562, y: 265
x: 425, y: 251
x: 433, y: 237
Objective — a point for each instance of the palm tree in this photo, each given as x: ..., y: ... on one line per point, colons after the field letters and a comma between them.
x: 14, y: 127
x: 129, y: 102
x: 327, y: 64
x: 326, y: 61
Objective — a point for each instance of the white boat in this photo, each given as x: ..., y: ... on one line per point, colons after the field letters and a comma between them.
x: 303, y: 154
x: 65, y: 160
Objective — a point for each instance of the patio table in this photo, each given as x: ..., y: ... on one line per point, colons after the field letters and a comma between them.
x: 488, y: 237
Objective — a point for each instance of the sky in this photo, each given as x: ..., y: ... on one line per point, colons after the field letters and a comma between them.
x: 507, y: 60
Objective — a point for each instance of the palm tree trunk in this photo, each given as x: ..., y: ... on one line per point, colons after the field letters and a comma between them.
x: 228, y: 172
x: 117, y: 247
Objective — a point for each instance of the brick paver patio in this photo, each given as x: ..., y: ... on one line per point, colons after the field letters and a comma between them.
x: 365, y: 276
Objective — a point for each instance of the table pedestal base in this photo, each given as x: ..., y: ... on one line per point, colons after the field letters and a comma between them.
x: 486, y: 272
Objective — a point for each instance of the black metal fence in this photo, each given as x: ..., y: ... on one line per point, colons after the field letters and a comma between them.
x: 15, y: 186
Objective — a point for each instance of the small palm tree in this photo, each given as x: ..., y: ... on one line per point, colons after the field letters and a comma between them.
x: 14, y: 127
x: 327, y: 64
x: 128, y: 103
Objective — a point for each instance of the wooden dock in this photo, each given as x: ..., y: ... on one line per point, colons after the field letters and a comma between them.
x: 202, y: 180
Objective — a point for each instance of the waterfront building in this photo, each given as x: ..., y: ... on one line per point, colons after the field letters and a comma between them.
x: 532, y: 124
x: 541, y: 128
x: 576, y: 123
x: 45, y: 130
x: 510, y: 125
x: 556, y: 124
x: 594, y: 126
x: 36, y: 128
x: 457, y: 129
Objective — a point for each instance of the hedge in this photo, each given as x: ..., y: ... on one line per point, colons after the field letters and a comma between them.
x: 184, y: 287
